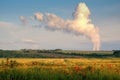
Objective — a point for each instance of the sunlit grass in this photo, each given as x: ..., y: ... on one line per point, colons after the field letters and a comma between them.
x: 60, y: 69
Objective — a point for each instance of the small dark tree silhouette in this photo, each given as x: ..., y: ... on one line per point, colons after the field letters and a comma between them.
x: 116, y: 53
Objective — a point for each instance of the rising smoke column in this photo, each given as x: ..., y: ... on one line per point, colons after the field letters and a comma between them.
x: 81, y: 18
x: 80, y: 25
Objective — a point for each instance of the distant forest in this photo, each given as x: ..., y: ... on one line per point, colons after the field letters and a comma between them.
x: 57, y: 53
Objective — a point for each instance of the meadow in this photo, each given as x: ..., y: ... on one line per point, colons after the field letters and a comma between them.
x: 59, y: 68
x: 57, y: 53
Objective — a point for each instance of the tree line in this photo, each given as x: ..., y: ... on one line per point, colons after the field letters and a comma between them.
x: 29, y: 53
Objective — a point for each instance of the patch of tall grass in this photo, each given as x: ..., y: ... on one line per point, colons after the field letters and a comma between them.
x: 60, y: 69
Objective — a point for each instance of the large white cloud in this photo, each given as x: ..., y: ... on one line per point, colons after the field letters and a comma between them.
x: 81, y: 24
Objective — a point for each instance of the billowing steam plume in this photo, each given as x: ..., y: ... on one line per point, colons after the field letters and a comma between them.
x: 80, y: 25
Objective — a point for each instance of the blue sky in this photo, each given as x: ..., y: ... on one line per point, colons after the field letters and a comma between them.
x: 105, y: 14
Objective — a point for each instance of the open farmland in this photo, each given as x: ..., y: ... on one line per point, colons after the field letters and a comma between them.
x: 59, y: 69
x: 57, y: 53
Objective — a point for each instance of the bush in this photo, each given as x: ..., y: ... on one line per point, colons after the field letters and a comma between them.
x: 116, y: 53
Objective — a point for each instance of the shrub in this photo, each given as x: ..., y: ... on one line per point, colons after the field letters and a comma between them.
x: 116, y: 53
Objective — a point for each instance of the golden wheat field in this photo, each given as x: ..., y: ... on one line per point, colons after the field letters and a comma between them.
x: 59, y: 69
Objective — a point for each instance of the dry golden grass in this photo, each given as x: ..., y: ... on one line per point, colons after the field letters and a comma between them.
x: 64, y: 68
x: 73, y: 61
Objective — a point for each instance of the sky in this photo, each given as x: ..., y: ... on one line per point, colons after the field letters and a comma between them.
x: 20, y: 30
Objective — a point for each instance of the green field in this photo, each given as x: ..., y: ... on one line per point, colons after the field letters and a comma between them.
x: 59, y: 68
x: 57, y: 53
